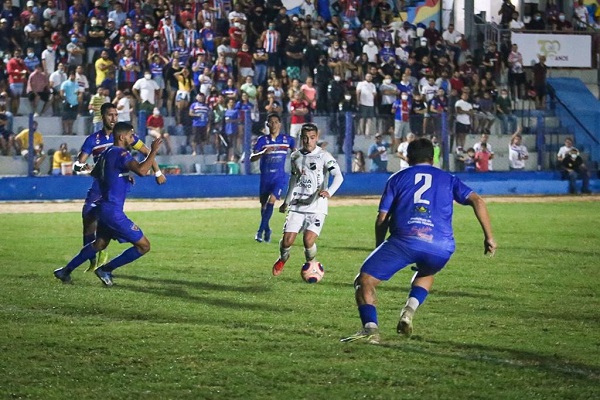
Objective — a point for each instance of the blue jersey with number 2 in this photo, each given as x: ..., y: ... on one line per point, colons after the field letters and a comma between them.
x: 420, y: 202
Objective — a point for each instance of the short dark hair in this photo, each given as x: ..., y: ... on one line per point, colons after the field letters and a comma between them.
x: 420, y: 151
x: 122, y: 127
x: 273, y: 115
x: 105, y: 107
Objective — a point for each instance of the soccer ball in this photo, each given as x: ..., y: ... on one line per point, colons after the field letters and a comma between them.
x: 312, y: 272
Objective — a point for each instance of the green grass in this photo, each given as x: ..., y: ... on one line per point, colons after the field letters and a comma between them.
x: 200, y: 317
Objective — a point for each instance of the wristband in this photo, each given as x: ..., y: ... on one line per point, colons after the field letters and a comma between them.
x: 158, y: 173
x: 78, y: 166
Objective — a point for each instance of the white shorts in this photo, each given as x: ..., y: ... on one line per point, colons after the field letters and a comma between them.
x: 246, y: 72
x: 295, y: 130
x: 299, y: 222
x: 182, y: 95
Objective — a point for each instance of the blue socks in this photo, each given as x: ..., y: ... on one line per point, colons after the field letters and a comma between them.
x: 86, y: 253
x: 266, y: 215
x: 129, y: 255
x: 368, y: 313
x: 87, y: 239
x: 418, y: 293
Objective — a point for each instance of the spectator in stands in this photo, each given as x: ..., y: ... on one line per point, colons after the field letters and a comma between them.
x: 378, y: 154
x: 6, y: 135
x: 298, y: 110
x: 84, y: 88
x: 536, y: 23
x: 401, y: 110
x: 506, y: 12
x: 156, y: 128
x: 504, y: 112
x: 184, y: 91
x: 516, y: 74
x: 485, y: 112
x: 117, y: 15
x: 59, y: 157
x: 102, y: 66
x: 432, y: 34
x: 565, y: 150
x: 38, y: 88
x: 418, y: 112
x: 482, y: 158
x: 581, y: 16
x: 69, y: 92
x: 94, y: 106
x: 515, y: 23
x: 403, y: 151
x: 366, y: 93
x: 124, y: 106
x: 200, y: 113
x: 493, y: 61
x: 75, y: 50
x: 146, y: 92
x: 17, y: 77
x: 540, y: 71
x: 22, y: 146
x: 31, y: 60
x: 562, y: 24
x: 517, y: 152
x: 56, y: 80
x: 479, y: 145
x: 574, y: 167
x: 464, y: 114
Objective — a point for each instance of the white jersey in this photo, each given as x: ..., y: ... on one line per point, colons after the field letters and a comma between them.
x: 309, y: 176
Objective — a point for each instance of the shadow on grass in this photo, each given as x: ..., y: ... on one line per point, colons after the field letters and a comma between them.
x: 198, y: 285
x: 502, y: 357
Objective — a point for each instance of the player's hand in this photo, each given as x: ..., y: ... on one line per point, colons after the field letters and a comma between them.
x: 161, y: 179
x: 283, y: 208
x: 489, y: 247
x: 324, y: 194
x: 156, y: 145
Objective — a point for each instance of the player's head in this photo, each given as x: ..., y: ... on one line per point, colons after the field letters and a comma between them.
x: 123, y: 134
x: 420, y: 151
x: 309, y: 135
x: 110, y: 115
x: 273, y: 124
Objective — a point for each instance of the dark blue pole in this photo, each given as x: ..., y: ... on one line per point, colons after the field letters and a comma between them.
x: 30, y: 149
x: 141, y: 128
x: 445, y: 142
x: 540, y: 134
x: 348, y: 140
x: 247, y: 141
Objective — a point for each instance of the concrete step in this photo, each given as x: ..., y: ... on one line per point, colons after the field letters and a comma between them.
x: 53, y: 125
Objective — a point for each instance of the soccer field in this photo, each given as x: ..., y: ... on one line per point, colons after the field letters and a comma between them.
x: 201, y: 317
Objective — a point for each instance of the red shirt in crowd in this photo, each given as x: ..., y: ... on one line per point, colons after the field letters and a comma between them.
x: 482, y: 161
x: 155, y: 122
x: 15, y: 68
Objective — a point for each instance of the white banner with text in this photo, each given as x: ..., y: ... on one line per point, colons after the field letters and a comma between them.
x: 567, y: 51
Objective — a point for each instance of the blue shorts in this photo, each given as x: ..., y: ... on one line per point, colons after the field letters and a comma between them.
x: 115, y: 225
x: 393, y: 255
x: 275, y: 186
x: 90, y: 209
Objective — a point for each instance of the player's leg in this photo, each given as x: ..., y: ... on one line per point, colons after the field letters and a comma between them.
x: 312, y: 229
x: 124, y: 230
x: 379, y: 266
x: 266, y: 217
x: 428, y: 265
x: 264, y: 200
x: 293, y: 224
x: 88, y: 251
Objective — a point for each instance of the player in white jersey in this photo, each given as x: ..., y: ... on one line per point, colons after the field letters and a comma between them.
x: 307, y: 195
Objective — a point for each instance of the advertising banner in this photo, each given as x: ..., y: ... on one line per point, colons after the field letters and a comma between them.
x: 563, y: 51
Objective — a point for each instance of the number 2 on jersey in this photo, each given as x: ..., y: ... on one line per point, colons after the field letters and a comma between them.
x: 426, y: 178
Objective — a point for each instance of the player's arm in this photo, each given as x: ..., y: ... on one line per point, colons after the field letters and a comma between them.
x: 142, y: 148
x: 81, y: 164
x: 338, y: 178
x: 481, y: 212
x: 142, y: 168
x: 259, y: 154
x: 290, y: 193
x: 381, y: 227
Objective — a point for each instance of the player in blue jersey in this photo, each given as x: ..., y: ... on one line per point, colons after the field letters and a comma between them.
x: 416, y: 208
x: 272, y: 150
x: 112, y: 174
x: 93, y: 146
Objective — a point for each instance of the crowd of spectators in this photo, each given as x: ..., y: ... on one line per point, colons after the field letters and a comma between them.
x: 206, y: 62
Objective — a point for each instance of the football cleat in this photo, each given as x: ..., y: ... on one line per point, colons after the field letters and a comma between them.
x: 371, y: 335
x: 267, y: 237
x: 62, y: 275
x: 405, y: 326
x: 258, y: 237
x: 104, y: 276
x: 278, y: 267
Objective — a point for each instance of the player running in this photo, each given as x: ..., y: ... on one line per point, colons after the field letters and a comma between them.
x: 112, y: 176
x: 416, y: 208
x: 307, y: 195
x: 93, y: 146
x: 272, y: 150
